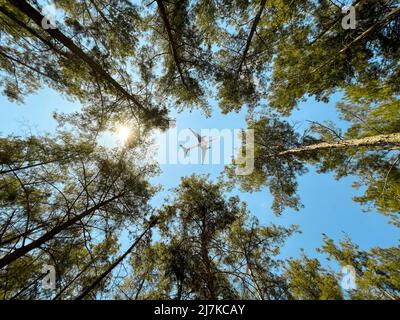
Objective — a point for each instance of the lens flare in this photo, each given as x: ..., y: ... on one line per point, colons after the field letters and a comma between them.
x: 123, y: 134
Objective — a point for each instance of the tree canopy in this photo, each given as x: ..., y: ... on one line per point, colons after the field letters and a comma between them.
x: 68, y: 201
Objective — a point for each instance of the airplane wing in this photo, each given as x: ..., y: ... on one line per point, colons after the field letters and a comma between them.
x: 191, y: 147
x: 194, y: 146
x: 186, y: 150
x: 198, y: 137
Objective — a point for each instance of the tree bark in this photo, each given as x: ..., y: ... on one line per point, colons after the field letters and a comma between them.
x: 56, y: 34
x: 253, y: 278
x: 34, y: 165
x: 117, y: 262
x: 209, y: 272
x: 389, y: 17
x: 251, y: 35
x: 51, y: 234
x: 14, y: 238
x: 33, y: 32
x: 164, y: 17
x: 382, y: 141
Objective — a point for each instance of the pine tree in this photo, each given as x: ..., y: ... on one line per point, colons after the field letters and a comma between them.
x: 82, y: 59
x: 308, y: 280
x: 211, y: 248
x: 281, y: 154
x: 72, y: 207
x: 376, y: 270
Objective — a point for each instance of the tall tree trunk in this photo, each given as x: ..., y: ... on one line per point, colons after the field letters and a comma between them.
x: 139, y: 290
x: 51, y: 234
x: 180, y: 289
x: 251, y: 35
x: 253, y: 278
x: 380, y: 142
x: 56, y: 34
x: 17, y: 237
x: 116, y: 262
x: 34, y: 165
x: 209, y: 272
x: 389, y: 17
x: 164, y: 17
x: 33, y: 32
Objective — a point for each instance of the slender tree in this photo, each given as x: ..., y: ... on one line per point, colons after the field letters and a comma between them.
x: 281, y: 154
x: 59, y: 210
x: 211, y: 249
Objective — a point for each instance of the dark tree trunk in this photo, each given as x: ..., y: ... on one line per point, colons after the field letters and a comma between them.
x: 51, y: 234
x: 56, y: 34
x: 389, y: 17
x: 116, y: 263
x: 251, y: 35
x: 164, y: 17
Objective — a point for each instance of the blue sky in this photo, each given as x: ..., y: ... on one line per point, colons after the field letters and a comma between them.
x: 328, y: 206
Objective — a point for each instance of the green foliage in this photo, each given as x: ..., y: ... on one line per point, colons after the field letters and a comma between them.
x: 309, y: 281
x: 133, y: 63
x: 377, y: 270
x: 272, y: 136
x: 42, y: 190
x: 210, y: 249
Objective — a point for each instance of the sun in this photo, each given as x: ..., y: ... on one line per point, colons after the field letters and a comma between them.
x: 123, y: 133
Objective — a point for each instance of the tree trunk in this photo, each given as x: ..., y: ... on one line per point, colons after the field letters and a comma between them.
x: 33, y: 32
x: 164, y: 17
x: 14, y: 238
x: 117, y: 262
x: 209, y: 272
x: 389, y: 17
x: 251, y: 34
x: 56, y: 34
x: 253, y: 278
x: 33, y: 165
x: 380, y: 142
x: 51, y: 234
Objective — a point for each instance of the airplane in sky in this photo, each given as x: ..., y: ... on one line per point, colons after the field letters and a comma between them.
x: 204, y: 144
